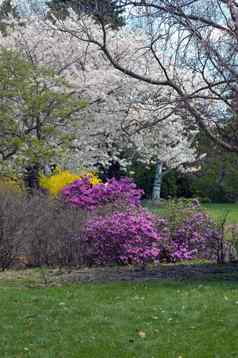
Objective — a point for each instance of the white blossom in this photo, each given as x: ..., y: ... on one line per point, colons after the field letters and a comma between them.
x: 122, y: 113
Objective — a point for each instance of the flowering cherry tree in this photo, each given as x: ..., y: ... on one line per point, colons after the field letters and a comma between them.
x: 183, y: 35
x: 123, y: 114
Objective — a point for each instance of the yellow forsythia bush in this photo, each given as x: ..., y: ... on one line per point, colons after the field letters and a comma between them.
x: 56, y: 182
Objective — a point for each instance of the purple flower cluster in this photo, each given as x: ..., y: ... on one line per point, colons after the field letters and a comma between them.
x: 197, y: 237
x: 126, y: 238
x: 82, y: 194
x: 121, y: 231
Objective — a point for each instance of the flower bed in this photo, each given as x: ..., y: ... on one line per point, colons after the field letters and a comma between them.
x: 101, y: 224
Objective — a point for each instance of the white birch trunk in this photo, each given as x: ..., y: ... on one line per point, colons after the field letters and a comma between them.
x: 157, y: 181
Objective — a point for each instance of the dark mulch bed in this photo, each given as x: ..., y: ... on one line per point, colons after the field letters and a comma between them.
x: 174, y: 272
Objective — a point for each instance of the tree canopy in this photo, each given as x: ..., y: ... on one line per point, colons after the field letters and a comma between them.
x: 108, y: 10
x: 37, y: 113
x: 7, y: 9
x: 196, y: 37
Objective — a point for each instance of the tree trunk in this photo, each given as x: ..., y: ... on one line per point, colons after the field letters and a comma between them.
x: 157, y: 181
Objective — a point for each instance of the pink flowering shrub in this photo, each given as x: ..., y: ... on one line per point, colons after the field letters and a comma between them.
x: 121, y: 231
x: 124, y: 238
x: 82, y: 194
x: 196, y: 237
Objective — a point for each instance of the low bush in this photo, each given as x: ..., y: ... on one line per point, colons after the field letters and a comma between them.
x: 52, y: 237
x: 42, y: 229
x: 101, y: 224
x: 123, y: 238
x: 197, y: 237
x: 12, y: 215
x: 177, y: 210
x: 189, y: 232
x: 119, y: 230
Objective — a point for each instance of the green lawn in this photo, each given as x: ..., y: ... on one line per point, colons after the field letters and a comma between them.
x: 217, y: 211
x: 118, y: 320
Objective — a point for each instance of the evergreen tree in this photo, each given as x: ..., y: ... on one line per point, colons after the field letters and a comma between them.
x: 107, y: 10
x: 7, y: 9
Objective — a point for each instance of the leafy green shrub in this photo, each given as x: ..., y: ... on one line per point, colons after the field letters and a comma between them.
x: 144, y: 178
x: 217, y: 177
x: 169, y: 185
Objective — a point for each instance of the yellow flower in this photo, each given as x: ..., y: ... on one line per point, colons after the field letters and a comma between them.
x: 94, y: 180
x: 56, y: 182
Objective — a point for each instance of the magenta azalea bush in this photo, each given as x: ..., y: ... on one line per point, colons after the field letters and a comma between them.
x: 128, y: 234
x: 82, y: 194
x: 125, y: 238
x: 197, y: 237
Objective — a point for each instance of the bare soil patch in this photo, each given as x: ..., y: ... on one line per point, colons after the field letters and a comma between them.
x: 171, y: 272
x: 177, y: 272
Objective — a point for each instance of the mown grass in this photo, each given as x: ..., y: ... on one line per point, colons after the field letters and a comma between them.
x: 216, y: 211
x: 160, y: 319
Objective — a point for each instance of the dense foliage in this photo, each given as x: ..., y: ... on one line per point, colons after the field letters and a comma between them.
x: 215, y: 182
x: 107, y: 9
x: 172, y: 185
x: 37, y: 114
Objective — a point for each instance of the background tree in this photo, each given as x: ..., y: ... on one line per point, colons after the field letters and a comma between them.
x: 125, y: 119
x: 108, y: 10
x: 38, y: 113
x: 216, y: 181
x: 7, y: 10
x: 199, y: 37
